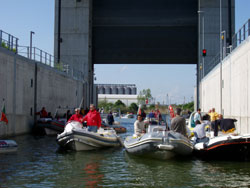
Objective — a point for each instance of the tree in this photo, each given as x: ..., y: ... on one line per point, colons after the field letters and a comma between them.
x: 133, y: 108
x: 119, y: 103
x: 188, y: 106
x: 143, y: 95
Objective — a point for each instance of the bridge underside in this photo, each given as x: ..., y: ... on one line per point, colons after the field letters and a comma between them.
x: 145, y: 32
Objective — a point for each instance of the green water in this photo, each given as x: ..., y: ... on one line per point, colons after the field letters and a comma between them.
x: 38, y: 163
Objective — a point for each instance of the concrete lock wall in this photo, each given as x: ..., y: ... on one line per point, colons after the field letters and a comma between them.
x: 235, y: 87
x: 76, y: 39
x: 17, y: 87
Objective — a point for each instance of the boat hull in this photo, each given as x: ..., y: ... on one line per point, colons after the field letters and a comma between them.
x: 150, y: 149
x: 53, y: 127
x: 232, y: 149
x: 7, y: 146
x: 84, y: 140
x: 159, y: 146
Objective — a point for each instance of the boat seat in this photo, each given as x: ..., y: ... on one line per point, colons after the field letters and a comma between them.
x: 157, y: 129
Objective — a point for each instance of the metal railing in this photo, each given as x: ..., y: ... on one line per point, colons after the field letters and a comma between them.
x: 241, y: 35
x: 10, y: 42
x: 215, y: 61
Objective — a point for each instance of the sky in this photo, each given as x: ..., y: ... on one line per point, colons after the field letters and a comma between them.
x: 19, y: 17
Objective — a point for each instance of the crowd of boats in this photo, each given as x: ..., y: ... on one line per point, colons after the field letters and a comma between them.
x: 158, y: 141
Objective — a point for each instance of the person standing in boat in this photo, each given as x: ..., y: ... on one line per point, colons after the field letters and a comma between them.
x: 110, y: 118
x: 68, y: 115
x: 139, y: 126
x: 197, y: 115
x: 77, y: 116
x: 93, y: 119
x: 178, y: 123
x: 43, y: 113
x: 213, y: 115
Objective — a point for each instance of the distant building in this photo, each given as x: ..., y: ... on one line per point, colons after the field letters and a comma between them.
x: 127, y: 93
x: 117, y: 89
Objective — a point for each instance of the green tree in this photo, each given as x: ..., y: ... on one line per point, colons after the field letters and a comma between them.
x: 105, y: 105
x: 188, y: 106
x: 133, y: 108
x: 143, y: 95
x: 119, y: 103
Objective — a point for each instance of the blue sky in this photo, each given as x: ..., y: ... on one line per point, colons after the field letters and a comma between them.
x: 19, y: 17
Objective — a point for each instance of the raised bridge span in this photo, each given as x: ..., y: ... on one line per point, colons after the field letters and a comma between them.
x: 89, y: 32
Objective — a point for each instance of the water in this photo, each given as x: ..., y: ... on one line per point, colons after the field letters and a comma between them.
x: 39, y: 164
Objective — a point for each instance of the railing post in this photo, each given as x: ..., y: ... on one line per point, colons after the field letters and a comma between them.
x: 240, y: 36
x: 34, y: 56
x: 28, y: 52
x: 11, y: 43
x: 244, y: 31
x: 16, y: 45
x: 1, y: 34
x: 45, y: 58
x: 49, y: 60
x: 249, y: 27
x: 236, y: 41
x: 8, y: 41
x: 41, y: 56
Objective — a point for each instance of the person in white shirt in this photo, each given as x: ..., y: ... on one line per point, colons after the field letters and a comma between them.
x: 197, y: 115
x: 200, y: 132
x: 139, y: 126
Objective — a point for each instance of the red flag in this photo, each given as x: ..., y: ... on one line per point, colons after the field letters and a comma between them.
x: 3, y: 115
x: 171, y: 111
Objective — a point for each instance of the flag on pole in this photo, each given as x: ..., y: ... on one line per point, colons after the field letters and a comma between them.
x: 3, y: 115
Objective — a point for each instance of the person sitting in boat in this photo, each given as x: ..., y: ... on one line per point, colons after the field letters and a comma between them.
x: 178, y: 123
x: 43, y: 113
x: 199, y: 131
x: 158, y: 115
x: 93, y: 119
x: 151, y: 115
x: 77, y: 116
x: 49, y: 115
x: 139, y: 126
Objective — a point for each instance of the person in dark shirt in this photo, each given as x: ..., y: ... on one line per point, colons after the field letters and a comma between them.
x: 178, y: 123
x: 110, y: 118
